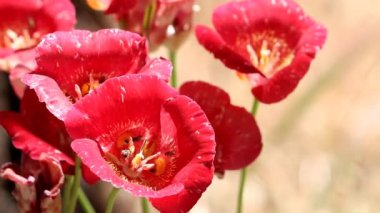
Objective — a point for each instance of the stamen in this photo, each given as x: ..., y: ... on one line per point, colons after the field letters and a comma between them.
x: 19, y: 39
x: 268, y: 52
x: 252, y: 54
x: 131, y: 145
x: 125, y: 153
x: 78, y: 91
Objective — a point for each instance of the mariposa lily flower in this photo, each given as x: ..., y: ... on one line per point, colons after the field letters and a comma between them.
x: 73, y: 64
x: 170, y: 20
x: 22, y: 25
x: 37, y: 183
x: 271, y: 42
x: 237, y: 136
x: 155, y: 143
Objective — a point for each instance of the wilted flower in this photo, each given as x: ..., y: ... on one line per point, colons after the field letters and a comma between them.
x: 37, y: 183
x: 44, y: 142
x: 155, y: 143
x: 74, y: 64
x: 237, y: 136
x: 272, y: 42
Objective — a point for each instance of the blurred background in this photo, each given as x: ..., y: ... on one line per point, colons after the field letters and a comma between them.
x: 321, y: 151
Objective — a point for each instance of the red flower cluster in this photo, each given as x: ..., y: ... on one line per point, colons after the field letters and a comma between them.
x: 272, y: 43
x: 100, y: 97
x: 151, y: 142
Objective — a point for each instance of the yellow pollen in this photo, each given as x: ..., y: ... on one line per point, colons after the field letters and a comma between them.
x: 87, y: 87
x: 136, y: 162
x: 160, y: 163
x: 97, y: 4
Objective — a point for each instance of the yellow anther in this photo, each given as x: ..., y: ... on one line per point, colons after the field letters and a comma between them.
x: 97, y: 4
x: 136, y: 162
x: 85, y: 89
x: 160, y: 163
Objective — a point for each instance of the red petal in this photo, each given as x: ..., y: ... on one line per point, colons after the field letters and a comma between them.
x: 159, y: 67
x: 239, y: 138
x: 49, y: 92
x: 15, y: 78
x: 79, y: 50
x: 26, y: 141
x: 62, y: 13
x: 215, y: 44
x: 197, y: 149
x: 212, y: 99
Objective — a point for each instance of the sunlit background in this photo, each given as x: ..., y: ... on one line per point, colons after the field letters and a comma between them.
x: 321, y: 151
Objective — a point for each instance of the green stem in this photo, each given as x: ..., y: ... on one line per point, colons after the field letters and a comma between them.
x: 66, y: 192
x: 173, y: 59
x: 111, y: 199
x: 75, y: 187
x: 144, y: 205
x: 148, y: 18
x: 243, y: 172
x: 84, y: 202
x: 255, y: 106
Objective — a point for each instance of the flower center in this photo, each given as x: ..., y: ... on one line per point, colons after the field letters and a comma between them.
x: 269, y: 52
x: 139, y: 159
x: 19, y: 37
x: 86, y: 88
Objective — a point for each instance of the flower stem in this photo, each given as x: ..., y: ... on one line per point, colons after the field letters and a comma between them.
x: 75, y: 186
x: 255, y: 107
x: 148, y: 18
x: 243, y: 172
x: 111, y: 199
x: 85, y: 203
x: 66, y: 191
x: 144, y: 205
x: 173, y: 59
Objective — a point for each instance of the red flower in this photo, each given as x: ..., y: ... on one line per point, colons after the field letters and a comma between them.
x: 73, y: 64
x: 155, y: 143
x: 22, y: 25
x: 237, y: 136
x: 37, y: 183
x: 273, y: 42
x: 171, y: 22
